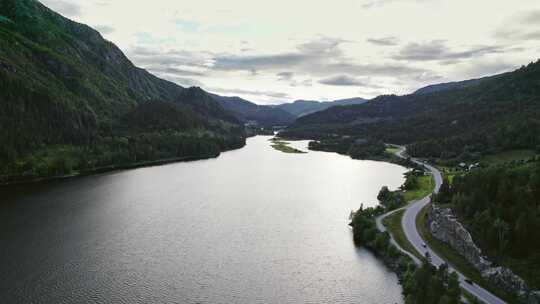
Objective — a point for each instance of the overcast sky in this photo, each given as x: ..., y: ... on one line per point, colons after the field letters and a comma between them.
x: 281, y: 50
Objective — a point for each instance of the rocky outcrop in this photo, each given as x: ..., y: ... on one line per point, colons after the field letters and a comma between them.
x: 504, y: 278
x: 445, y: 227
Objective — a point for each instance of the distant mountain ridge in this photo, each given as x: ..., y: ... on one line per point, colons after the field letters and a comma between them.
x: 245, y: 111
x: 300, y: 108
x: 282, y: 114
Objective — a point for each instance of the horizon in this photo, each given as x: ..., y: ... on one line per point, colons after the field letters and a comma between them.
x: 263, y: 54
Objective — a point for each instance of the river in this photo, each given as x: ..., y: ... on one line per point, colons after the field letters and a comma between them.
x: 254, y: 225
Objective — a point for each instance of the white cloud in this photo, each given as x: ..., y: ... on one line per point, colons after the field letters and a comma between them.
x: 64, y: 7
x: 282, y: 49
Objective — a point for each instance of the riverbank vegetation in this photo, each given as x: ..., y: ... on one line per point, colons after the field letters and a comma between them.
x: 421, y: 284
x: 418, y: 184
x: 390, y: 200
x: 115, y: 152
x: 354, y: 147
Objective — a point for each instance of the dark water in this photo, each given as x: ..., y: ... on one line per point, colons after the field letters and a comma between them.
x: 253, y: 226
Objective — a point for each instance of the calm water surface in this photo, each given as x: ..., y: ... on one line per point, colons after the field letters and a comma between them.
x: 252, y: 226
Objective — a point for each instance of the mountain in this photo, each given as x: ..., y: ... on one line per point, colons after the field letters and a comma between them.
x: 283, y: 114
x: 452, y: 85
x: 452, y: 125
x: 246, y: 111
x: 300, y: 108
x: 72, y: 101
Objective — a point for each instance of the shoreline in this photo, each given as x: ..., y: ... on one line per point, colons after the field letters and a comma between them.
x: 105, y: 169
x: 21, y: 180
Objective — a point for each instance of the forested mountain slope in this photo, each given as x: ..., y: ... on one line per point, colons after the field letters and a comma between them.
x: 496, y: 114
x: 71, y: 100
x: 500, y: 206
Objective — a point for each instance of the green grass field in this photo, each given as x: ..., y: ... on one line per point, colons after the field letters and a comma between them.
x: 393, y: 224
x: 425, y: 187
x: 391, y: 150
x: 449, y: 172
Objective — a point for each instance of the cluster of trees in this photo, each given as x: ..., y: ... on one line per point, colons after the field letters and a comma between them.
x: 368, y: 150
x: 365, y: 233
x: 424, y: 284
x: 411, y: 181
x: 390, y: 200
x: 116, y: 152
x: 331, y: 144
x: 356, y: 148
x: 501, y: 208
x: 428, y: 284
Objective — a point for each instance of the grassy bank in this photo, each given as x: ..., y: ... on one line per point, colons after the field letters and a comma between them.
x: 284, y: 146
x: 453, y: 258
x: 393, y: 224
x: 391, y: 150
x: 424, y: 188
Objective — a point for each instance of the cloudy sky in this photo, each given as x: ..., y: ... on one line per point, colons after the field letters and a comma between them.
x: 280, y: 50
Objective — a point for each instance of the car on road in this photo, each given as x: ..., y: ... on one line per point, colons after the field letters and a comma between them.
x: 424, y: 245
x: 469, y: 281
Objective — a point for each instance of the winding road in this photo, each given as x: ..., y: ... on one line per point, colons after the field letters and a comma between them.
x: 408, y: 222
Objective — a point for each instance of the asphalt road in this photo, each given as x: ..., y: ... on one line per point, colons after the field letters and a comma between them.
x: 408, y: 223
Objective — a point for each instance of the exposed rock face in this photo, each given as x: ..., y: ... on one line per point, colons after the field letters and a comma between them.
x: 445, y: 227
x: 506, y: 279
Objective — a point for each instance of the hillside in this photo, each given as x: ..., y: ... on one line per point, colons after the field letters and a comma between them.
x: 453, y: 125
x: 246, y: 111
x: 452, y: 85
x: 71, y: 99
x: 503, y: 197
x: 300, y: 108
